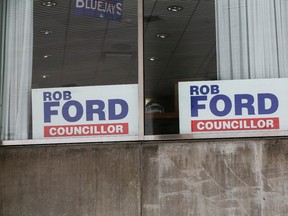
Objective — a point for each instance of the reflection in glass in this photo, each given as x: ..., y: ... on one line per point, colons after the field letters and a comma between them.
x: 187, y: 52
x: 56, y: 44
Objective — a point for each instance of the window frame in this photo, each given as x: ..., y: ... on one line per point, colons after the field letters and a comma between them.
x: 2, y: 44
x: 141, y: 121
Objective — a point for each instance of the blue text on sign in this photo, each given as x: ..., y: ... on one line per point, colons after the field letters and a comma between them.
x: 113, y: 109
x: 267, y: 103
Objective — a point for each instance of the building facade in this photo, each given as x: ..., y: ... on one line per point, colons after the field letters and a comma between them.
x: 144, y: 107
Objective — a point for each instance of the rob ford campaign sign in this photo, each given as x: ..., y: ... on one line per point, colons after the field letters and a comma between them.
x: 233, y: 105
x: 85, y: 111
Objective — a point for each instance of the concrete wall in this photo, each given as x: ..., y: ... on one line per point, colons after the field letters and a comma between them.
x: 181, y: 178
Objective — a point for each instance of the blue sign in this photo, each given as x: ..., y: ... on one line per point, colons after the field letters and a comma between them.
x: 105, y: 9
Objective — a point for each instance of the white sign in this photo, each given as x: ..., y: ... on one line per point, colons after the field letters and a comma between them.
x: 233, y: 105
x: 85, y: 111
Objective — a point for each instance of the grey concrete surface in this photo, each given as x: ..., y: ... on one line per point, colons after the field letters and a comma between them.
x: 180, y: 178
x: 234, y: 178
x: 83, y: 180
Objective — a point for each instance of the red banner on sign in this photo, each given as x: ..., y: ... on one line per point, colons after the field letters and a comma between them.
x: 85, y: 130
x: 234, y: 124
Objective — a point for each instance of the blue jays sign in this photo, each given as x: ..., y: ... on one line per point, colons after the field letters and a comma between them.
x: 105, y: 9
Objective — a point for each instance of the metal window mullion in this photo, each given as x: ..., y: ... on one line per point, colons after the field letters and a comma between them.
x: 140, y: 71
x: 3, y: 12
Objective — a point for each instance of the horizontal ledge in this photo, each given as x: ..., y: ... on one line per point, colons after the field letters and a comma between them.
x: 103, y: 140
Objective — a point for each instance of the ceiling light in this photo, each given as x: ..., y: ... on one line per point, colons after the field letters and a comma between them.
x: 46, y: 32
x: 48, y: 3
x: 153, y: 58
x: 162, y: 35
x: 44, y: 76
x: 46, y: 56
x: 175, y: 8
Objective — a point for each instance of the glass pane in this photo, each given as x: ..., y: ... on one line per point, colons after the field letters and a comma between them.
x: 81, y: 42
x: 209, y: 40
x: 180, y: 45
x: 252, y: 39
x: 2, y: 42
x: 67, y: 43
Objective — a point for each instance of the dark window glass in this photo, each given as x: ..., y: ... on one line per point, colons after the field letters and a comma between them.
x: 81, y: 42
x: 63, y: 43
x: 180, y: 45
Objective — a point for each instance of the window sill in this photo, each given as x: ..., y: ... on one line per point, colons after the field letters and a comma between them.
x: 112, y: 140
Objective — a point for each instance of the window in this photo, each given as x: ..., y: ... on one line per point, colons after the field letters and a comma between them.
x: 66, y: 43
x: 70, y: 44
x: 180, y: 45
x: 208, y: 40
